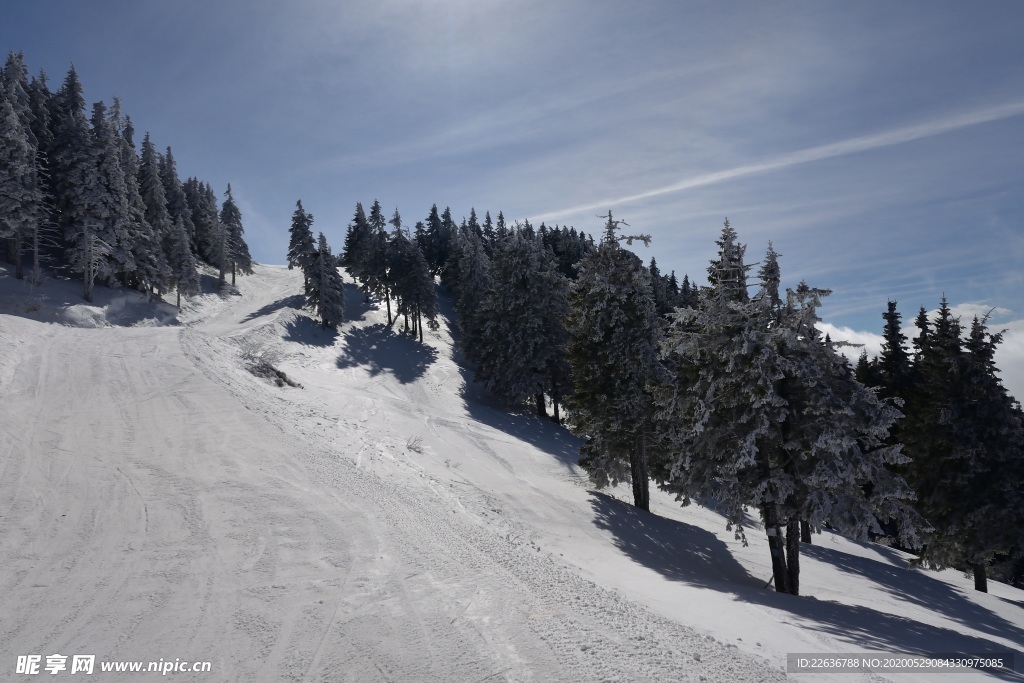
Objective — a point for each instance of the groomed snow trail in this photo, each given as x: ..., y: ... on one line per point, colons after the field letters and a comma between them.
x: 157, y: 502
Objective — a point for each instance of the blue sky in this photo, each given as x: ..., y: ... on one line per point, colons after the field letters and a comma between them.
x: 877, y: 144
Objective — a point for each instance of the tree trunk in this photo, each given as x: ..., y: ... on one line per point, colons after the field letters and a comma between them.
x: 387, y: 300
x: 777, y: 546
x: 638, y: 473
x: 805, y: 532
x: 179, y: 300
x: 232, y: 273
x: 405, y: 317
x: 35, y: 256
x: 793, y: 556
x: 419, y: 323
x: 19, y: 270
x: 542, y: 410
x: 980, y: 577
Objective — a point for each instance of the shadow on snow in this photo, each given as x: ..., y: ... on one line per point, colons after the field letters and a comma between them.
x: 382, y: 351
x: 296, y: 301
x: 685, y: 553
x: 304, y: 330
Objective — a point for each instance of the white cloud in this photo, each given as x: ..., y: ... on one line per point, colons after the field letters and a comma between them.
x: 865, y: 341
x: 844, y: 147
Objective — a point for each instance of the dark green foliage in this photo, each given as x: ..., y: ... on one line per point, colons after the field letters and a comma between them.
x: 325, y: 293
x: 301, y: 248
x: 965, y: 435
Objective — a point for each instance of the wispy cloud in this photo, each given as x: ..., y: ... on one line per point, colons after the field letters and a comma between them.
x: 855, y: 145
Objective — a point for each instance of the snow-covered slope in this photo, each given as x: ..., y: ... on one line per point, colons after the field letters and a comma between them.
x: 384, y: 521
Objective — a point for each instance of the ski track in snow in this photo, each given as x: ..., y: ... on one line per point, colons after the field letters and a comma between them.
x: 363, y: 528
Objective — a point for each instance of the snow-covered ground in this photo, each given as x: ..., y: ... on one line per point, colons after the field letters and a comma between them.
x: 384, y: 521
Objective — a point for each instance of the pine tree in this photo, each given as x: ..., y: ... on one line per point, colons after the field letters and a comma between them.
x: 148, y: 267
x: 21, y: 195
x: 301, y: 248
x: 659, y: 289
x: 184, y: 276
x: 765, y: 413
x: 727, y: 273
x: 474, y: 283
x: 614, y: 332
x: 523, y: 335
x: 418, y: 294
x: 237, y: 251
x: 965, y: 436
x: 325, y: 293
x: 109, y: 200
x: 211, y: 238
x: 151, y: 188
x: 174, y: 193
x: 69, y: 154
x: 894, y: 364
x: 356, y: 243
x: 373, y: 272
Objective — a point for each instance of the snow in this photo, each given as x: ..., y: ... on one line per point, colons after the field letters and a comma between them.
x: 385, y: 521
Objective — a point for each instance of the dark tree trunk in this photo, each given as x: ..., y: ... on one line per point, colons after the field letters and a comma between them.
x: 638, y: 473
x: 19, y: 269
x: 387, y: 300
x: 542, y: 410
x: 232, y: 273
x: 179, y: 299
x: 793, y: 556
x: 405, y: 317
x: 777, y: 546
x: 419, y: 323
x: 980, y: 577
x: 805, y: 532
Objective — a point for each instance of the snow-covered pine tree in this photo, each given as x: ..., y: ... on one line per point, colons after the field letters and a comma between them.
x: 489, y: 235
x: 421, y: 293
x: 500, y: 229
x: 401, y: 264
x: 174, y: 192
x: 210, y: 236
x: 522, y: 336
x: 151, y: 187
x: 764, y: 413
x: 147, y: 256
x: 374, y: 260
x: 110, y: 201
x: 21, y: 195
x: 237, y: 251
x: 474, y: 283
x: 434, y: 242
x: 301, y: 248
x: 325, y: 293
x: 659, y: 288
x: 356, y: 243
x: 69, y: 154
x: 614, y: 333
x: 184, y: 276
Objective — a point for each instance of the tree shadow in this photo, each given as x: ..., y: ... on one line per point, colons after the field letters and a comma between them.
x: 382, y: 351
x: 917, y: 587
x: 676, y: 550
x: 684, y: 553
x: 544, y: 435
x: 356, y: 305
x: 304, y: 330
x: 296, y: 301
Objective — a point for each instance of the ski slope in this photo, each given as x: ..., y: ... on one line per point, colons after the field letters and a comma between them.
x: 384, y: 521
